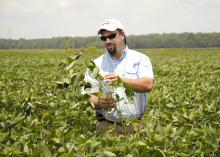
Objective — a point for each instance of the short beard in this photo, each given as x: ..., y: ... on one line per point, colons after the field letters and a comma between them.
x: 112, y: 52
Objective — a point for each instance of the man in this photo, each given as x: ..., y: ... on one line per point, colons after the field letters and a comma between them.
x: 132, y: 67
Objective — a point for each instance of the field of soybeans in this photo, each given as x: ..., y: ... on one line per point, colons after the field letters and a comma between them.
x: 40, y: 116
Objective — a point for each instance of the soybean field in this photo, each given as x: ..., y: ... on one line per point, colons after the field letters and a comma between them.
x: 41, y: 116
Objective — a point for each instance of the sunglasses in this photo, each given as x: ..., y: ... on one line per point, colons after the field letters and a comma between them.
x: 111, y: 36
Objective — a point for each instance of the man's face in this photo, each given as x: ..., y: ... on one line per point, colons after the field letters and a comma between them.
x: 112, y: 40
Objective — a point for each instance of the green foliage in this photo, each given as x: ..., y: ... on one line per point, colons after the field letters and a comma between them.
x: 39, y: 119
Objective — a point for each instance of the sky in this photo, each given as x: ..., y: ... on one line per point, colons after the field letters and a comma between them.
x: 34, y: 19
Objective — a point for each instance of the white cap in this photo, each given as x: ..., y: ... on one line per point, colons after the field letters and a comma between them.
x: 110, y: 25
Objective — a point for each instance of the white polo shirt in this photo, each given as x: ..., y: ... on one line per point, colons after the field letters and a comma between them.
x: 132, y: 65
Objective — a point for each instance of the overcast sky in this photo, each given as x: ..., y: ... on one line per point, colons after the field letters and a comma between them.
x: 32, y: 19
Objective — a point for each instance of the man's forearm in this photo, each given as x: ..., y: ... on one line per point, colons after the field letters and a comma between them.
x: 139, y: 85
x: 102, y: 103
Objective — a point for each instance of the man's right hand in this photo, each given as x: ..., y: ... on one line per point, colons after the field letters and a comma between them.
x: 103, y: 103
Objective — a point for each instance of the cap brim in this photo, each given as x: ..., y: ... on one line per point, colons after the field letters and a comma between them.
x: 111, y: 29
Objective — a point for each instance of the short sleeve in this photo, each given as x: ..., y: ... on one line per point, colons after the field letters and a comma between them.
x: 145, y: 68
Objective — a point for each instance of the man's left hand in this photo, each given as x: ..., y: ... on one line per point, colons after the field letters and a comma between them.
x: 110, y: 78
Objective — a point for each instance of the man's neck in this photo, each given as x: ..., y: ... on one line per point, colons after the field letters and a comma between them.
x: 119, y: 53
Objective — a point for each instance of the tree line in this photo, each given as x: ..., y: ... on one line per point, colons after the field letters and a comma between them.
x: 166, y: 40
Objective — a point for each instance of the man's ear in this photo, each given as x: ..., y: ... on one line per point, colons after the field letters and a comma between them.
x: 123, y: 34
